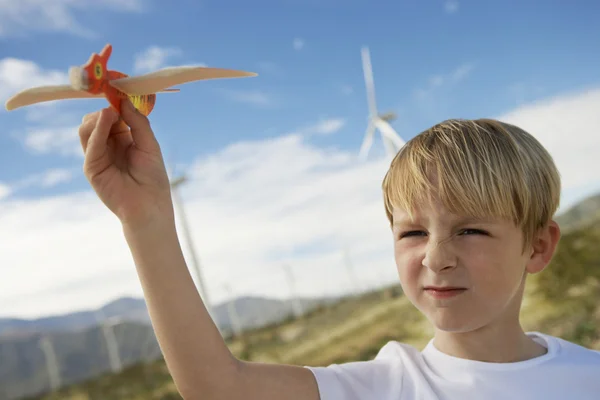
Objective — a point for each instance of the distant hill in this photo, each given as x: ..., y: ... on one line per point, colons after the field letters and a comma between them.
x: 79, y: 355
x: 126, y: 308
x: 585, y: 212
x: 81, y: 348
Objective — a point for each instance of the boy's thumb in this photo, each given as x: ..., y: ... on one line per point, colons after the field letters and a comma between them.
x: 141, y: 131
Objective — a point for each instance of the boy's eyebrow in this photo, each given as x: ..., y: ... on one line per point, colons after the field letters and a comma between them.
x: 458, y: 221
x: 404, y: 221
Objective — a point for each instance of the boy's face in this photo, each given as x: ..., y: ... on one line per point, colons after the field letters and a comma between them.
x: 484, y: 258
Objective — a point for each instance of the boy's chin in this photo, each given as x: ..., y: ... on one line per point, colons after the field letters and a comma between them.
x: 444, y: 321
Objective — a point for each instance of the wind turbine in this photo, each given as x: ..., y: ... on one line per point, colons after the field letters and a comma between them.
x: 52, y: 367
x: 392, y: 141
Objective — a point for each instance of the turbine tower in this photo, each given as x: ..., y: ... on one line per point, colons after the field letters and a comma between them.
x: 297, y: 308
x: 52, y: 367
x: 392, y: 141
x: 112, y: 345
x: 175, y: 183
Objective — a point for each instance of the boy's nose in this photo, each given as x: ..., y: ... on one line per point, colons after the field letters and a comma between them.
x: 439, y: 255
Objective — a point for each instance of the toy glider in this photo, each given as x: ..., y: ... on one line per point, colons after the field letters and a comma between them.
x: 95, y: 80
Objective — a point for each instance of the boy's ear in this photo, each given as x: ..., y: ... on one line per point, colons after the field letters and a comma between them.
x: 543, y: 247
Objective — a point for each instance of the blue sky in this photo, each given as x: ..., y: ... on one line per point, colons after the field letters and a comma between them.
x: 294, y: 131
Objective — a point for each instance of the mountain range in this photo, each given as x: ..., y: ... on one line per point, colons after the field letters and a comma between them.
x: 80, y: 342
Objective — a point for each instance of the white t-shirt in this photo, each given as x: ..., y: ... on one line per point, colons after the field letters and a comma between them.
x: 401, y: 372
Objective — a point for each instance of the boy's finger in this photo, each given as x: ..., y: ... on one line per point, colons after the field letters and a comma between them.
x: 85, y: 129
x: 93, y: 115
x: 141, y: 131
x: 97, y: 142
x: 121, y: 132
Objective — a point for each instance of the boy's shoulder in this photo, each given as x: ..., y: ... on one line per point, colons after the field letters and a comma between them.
x: 569, y: 350
x: 400, y: 371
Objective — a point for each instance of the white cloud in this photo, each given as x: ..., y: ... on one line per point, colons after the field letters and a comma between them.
x: 262, y: 202
x: 17, y: 74
x: 569, y: 127
x: 298, y: 44
x: 254, y: 97
x: 252, y: 207
x: 439, y: 80
x: 5, y: 191
x: 324, y: 127
x: 154, y: 57
x: 56, y: 131
x: 523, y: 92
x: 271, y: 68
x: 451, y: 6
x: 55, y: 176
x: 347, y: 90
x: 46, y: 179
x: 17, y: 17
x: 63, y: 140
x: 461, y: 72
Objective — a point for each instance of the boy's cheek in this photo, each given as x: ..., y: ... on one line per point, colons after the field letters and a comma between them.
x: 409, y: 267
x: 406, y: 256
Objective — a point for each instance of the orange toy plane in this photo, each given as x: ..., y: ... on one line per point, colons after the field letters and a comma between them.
x: 95, y: 80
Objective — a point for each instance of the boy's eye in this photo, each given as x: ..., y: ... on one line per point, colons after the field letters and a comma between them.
x: 471, y: 231
x: 411, y: 233
x: 467, y: 231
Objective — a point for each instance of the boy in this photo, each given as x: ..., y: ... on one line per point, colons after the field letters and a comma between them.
x: 470, y: 205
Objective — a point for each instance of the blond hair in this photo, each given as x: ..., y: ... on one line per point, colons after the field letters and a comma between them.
x: 478, y: 168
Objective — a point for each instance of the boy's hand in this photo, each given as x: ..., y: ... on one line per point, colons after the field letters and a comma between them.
x: 124, y: 165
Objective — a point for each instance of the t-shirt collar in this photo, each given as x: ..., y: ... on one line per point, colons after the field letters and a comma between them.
x: 446, y: 365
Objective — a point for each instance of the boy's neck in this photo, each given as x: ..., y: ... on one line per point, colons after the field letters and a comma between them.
x: 491, y: 345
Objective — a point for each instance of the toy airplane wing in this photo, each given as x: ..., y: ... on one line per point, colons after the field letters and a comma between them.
x: 42, y: 94
x: 47, y: 93
x: 163, y: 79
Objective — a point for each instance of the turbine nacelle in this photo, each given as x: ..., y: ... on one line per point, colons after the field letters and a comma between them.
x: 388, y: 116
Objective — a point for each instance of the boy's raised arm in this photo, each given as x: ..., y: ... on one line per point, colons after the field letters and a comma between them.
x: 124, y: 165
x: 196, y: 354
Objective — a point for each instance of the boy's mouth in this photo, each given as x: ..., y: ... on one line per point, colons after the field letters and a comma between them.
x: 443, y: 292
x: 443, y: 288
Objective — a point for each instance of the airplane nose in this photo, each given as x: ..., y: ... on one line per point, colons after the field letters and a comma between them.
x: 78, y: 78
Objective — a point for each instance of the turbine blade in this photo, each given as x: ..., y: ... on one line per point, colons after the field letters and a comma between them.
x: 388, y: 132
x: 390, y: 148
x: 370, y: 86
x: 367, y: 141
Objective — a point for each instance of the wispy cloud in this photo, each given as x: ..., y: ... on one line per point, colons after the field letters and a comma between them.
x: 254, y: 97
x: 523, y: 92
x: 439, y: 80
x: 451, y: 6
x: 56, y: 176
x: 324, y: 127
x: 154, y: 57
x: 270, y: 68
x: 298, y: 44
x: 5, y: 191
x: 347, y: 90
x: 19, y: 17
x: 62, y: 140
x: 46, y: 179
